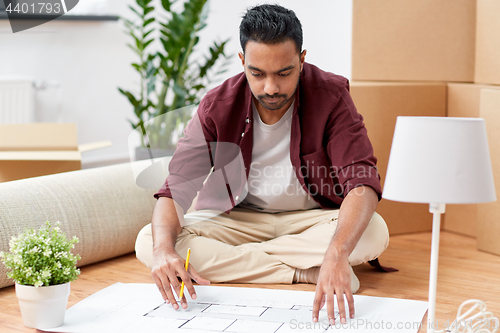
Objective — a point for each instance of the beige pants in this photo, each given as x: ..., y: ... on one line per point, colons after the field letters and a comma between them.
x: 246, y: 246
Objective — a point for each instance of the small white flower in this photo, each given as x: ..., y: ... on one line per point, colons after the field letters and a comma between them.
x: 46, y: 273
x: 18, y: 260
x: 12, y: 242
x: 47, y: 246
x: 28, y: 271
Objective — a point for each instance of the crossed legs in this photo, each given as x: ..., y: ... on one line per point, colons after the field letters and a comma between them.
x: 246, y: 246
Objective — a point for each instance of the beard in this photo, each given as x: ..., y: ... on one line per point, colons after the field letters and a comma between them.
x: 279, y: 100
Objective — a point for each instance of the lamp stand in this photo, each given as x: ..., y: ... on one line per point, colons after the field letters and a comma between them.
x: 436, y: 210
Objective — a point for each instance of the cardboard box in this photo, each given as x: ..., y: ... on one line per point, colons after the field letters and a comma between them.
x: 380, y: 103
x: 487, y: 68
x: 31, y: 150
x: 489, y: 213
x: 463, y: 101
x: 407, y: 40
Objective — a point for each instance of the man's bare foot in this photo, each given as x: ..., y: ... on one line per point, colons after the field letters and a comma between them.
x: 310, y: 275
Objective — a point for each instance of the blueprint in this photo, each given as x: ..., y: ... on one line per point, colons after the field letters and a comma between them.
x: 134, y: 308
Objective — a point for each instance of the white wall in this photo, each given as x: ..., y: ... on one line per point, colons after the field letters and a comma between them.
x: 90, y: 60
x: 326, y: 24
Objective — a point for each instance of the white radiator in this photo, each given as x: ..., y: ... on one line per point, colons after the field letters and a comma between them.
x: 17, y: 101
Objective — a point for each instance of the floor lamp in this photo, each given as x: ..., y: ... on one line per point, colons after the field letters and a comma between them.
x: 439, y: 161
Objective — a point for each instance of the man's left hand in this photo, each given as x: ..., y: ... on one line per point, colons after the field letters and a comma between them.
x: 334, y: 279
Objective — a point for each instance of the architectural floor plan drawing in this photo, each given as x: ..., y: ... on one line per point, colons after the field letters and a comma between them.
x: 134, y: 308
x: 215, y: 314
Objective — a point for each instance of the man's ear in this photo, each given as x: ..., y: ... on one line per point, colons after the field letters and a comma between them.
x: 302, y: 58
x: 242, y: 58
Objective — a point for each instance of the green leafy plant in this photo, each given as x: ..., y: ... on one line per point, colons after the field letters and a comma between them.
x: 41, y: 257
x: 170, y: 79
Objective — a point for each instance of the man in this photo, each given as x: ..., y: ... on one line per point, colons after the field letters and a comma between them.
x: 305, y: 210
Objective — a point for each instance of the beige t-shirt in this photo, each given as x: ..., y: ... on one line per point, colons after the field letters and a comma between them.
x: 272, y: 183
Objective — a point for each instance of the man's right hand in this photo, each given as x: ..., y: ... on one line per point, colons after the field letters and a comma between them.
x: 166, y: 267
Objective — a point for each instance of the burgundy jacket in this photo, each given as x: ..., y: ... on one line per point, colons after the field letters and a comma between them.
x: 329, y: 149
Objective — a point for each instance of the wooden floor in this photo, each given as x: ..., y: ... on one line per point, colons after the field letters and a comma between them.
x: 464, y: 273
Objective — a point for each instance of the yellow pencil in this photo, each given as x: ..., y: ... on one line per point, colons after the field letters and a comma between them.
x: 187, y: 265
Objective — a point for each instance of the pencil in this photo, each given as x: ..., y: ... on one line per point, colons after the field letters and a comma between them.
x: 187, y: 265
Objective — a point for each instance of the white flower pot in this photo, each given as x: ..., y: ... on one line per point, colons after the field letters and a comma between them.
x: 43, y: 307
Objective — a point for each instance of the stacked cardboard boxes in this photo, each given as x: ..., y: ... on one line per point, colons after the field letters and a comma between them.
x: 402, y: 49
x: 413, y: 40
x: 39, y: 149
x: 487, y: 62
x: 487, y: 71
x: 464, y: 100
x: 488, y: 226
x: 380, y: 103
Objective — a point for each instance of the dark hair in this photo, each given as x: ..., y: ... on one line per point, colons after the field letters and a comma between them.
x: 270, y: 24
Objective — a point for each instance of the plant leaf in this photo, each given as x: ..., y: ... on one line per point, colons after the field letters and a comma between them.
x: 147, y: 43
x: 147, y: 33
x: 130, y: 97
x: 166, y: 4
x: 148, y: 21
x: 215, y: 53
x: 137, y: 67
x: 133, y: 48
x: 135, y: 11
x: 148, y: 10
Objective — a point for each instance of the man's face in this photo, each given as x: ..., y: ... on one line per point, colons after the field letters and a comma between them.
x: 272, y: 71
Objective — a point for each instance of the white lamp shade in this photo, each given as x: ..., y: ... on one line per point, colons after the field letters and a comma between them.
x: 439, y: 160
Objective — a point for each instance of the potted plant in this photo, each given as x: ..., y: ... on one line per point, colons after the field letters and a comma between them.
x: 42, y: 266
x: 170, y: 79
